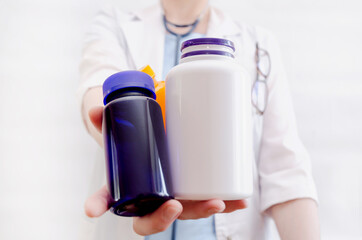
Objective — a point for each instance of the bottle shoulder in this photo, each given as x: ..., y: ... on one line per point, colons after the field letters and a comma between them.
x: 208, y: 66
x: 208, y: 62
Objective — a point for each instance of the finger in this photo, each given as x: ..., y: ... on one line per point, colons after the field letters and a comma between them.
x: 201, y: 209
x: 234, y: 205
x: 96, y: 116
x: 159, y: 220
x: 97, y: 204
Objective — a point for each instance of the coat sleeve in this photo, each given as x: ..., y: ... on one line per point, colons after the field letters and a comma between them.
x: 284, y: 164
x: 104, y: 52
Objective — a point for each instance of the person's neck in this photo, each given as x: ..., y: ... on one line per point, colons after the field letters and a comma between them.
x: 186, y: 12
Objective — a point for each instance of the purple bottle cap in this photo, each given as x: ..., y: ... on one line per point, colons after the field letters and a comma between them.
x: 211, y: 41
x: 127, y: 79
x: 207, y: 52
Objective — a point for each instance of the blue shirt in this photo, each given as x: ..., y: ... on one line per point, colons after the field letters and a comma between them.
x: 199, y: 229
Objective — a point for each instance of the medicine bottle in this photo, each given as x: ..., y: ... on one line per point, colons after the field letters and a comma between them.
x: 137, y: 161
x: 208, y: 122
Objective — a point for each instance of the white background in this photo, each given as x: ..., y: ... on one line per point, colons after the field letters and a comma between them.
x: 46, y: 156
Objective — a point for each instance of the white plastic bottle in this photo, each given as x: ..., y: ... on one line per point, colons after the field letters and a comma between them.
x: 208, y: 122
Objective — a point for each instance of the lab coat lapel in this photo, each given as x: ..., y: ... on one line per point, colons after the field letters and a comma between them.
x: 222, y: 26
x: 145, y: 38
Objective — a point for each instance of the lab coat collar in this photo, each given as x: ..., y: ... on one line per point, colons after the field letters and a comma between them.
x: 144, y: 31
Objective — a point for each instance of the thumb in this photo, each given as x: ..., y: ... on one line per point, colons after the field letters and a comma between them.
x: 96, y: 116
x: 97, y: 204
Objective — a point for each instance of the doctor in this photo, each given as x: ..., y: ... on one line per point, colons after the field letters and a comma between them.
x: 284, y: 188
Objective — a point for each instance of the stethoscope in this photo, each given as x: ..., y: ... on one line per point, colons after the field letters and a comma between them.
x: 192, y: 27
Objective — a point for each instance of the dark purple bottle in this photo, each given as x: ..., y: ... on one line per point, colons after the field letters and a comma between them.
x: 137, y: 161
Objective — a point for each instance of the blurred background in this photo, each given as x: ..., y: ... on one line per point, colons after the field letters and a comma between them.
x: 47, y: 158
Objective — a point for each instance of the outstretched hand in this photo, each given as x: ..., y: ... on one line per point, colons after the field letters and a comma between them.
x: 159, y: 220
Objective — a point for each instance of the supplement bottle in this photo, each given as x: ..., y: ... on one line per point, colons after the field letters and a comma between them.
x: 137, y: 161
x: 208, y: 122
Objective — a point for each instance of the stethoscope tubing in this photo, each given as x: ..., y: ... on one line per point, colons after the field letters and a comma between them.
x: 179, y: 36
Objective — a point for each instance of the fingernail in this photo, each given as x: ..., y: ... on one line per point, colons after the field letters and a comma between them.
x: 170, y: 213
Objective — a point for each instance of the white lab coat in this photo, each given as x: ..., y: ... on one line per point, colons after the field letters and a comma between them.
x: 120, y: 41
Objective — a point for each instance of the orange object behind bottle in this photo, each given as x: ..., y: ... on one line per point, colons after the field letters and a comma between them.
x: 159, y: 90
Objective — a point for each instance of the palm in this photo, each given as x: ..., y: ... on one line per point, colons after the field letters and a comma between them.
x: 159, y: 220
